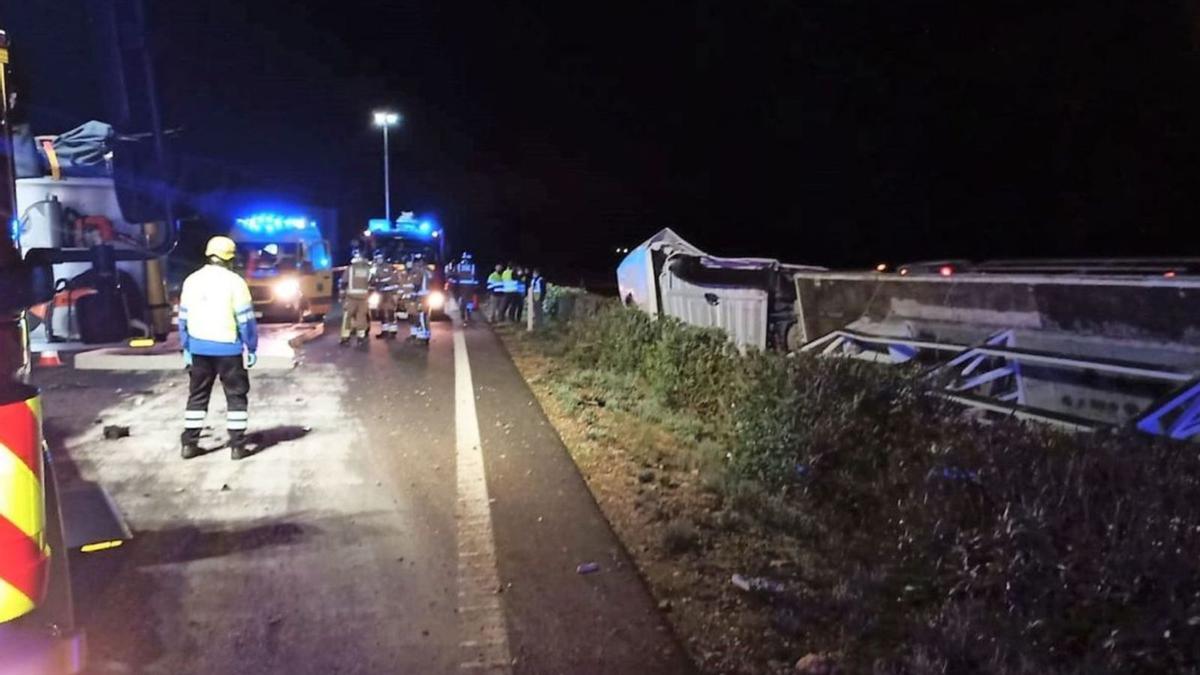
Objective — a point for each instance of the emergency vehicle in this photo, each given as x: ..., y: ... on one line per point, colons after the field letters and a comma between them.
x: 407, y: 239
x: 287, y: 265
x: 43, y: 523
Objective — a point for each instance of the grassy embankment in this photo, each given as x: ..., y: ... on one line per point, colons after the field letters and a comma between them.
x: 908, y: 537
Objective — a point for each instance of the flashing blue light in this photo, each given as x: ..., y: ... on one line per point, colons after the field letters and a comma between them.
x: 15, y: 230
x: 404, y: 226
x: 270, y: 223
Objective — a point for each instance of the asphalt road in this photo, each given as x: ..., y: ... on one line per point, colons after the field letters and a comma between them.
x: 405, y: 514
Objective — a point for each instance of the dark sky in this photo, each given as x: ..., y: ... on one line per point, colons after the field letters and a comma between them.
x: 835, y: 132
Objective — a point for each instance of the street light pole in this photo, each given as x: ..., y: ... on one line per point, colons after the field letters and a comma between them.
x: 387, y: 178
x: 386, y: 120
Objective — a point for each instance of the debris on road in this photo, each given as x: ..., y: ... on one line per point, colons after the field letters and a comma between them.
x: 587, y: 568
x: 114, y: 431
x: 757, y: 585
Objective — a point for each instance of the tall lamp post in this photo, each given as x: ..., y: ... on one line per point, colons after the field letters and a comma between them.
x: 386, y: 120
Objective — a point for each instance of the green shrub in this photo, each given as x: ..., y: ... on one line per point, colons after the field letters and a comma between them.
x: 946, y: 545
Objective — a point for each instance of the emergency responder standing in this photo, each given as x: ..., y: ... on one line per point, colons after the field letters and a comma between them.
x: 416, y: 293
x: 464, y: 285
x: 217, y: 331
x: 537, y: 292
x: 387, y: 285
x: 495, y: 288
x: 512, y: 295
x: 519, y: 303
x: 356, y: 288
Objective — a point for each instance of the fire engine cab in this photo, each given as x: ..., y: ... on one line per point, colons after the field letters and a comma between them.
x: 287, y: 266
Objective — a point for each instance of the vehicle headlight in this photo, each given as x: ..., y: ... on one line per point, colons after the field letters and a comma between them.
x: 287, y: 289
x: 373, y: 301
x: 437, y: 300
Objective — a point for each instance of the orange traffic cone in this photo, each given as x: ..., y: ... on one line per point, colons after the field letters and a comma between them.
x: 49, y: 359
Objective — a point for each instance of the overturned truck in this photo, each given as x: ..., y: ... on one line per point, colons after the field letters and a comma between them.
x: 751, y: 299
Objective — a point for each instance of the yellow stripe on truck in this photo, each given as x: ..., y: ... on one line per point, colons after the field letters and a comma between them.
x: 23, y: 551
x: 21, y: 497
x: 13, y: 603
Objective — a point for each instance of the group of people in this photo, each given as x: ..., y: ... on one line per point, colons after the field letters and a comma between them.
x: 400, y: 289
x: 219, y: 334
x: 510, y: 288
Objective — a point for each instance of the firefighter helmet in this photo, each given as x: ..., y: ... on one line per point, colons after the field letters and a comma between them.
x: 221, y: 248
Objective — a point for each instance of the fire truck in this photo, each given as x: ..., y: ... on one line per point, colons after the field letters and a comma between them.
x: 406, y: 239
x: 43, y: 522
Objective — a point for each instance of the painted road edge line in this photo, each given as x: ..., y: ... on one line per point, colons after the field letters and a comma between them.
x: 484, y: 636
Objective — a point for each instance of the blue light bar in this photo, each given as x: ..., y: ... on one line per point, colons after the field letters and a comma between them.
x: 403, y: 227
x: 271, y: 223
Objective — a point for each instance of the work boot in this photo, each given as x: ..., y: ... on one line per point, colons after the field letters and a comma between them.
x: 238, y: 449
x: 344, y: 341
x: 190, y: 450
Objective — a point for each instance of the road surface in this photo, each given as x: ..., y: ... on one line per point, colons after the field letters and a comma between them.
x: 410, y: 511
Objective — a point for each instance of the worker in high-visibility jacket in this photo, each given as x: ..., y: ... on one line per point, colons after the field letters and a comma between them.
x: 356, y: 292
x: 219, y: 336
x: 512, y: 293
x: 495, y: 287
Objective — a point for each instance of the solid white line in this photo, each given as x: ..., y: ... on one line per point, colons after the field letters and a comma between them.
x: 477, y: 583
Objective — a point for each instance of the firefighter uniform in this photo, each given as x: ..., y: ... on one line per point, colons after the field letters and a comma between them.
x: 356, y: 289
x: 386, y: 283
x: 415, y: 281
x: 216, y: 326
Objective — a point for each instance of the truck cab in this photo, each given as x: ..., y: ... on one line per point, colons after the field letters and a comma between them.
x: 406, y: 240
x: 287, y: 265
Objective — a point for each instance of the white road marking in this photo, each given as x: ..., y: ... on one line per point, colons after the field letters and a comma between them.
x: 481, y: 617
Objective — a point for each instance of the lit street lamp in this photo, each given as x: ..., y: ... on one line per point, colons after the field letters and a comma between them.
x: 385, y: 120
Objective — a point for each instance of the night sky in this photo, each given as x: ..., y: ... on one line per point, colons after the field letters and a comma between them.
x: 833, y: 132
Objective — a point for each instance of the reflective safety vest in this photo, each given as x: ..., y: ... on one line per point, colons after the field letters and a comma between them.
x: 24, y: 555
x: 495, y: 282
x: 466, y: 273
x: 216, y: 314
x: 537, y: 285
x: 358, y: 279
x: 508, y: 283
